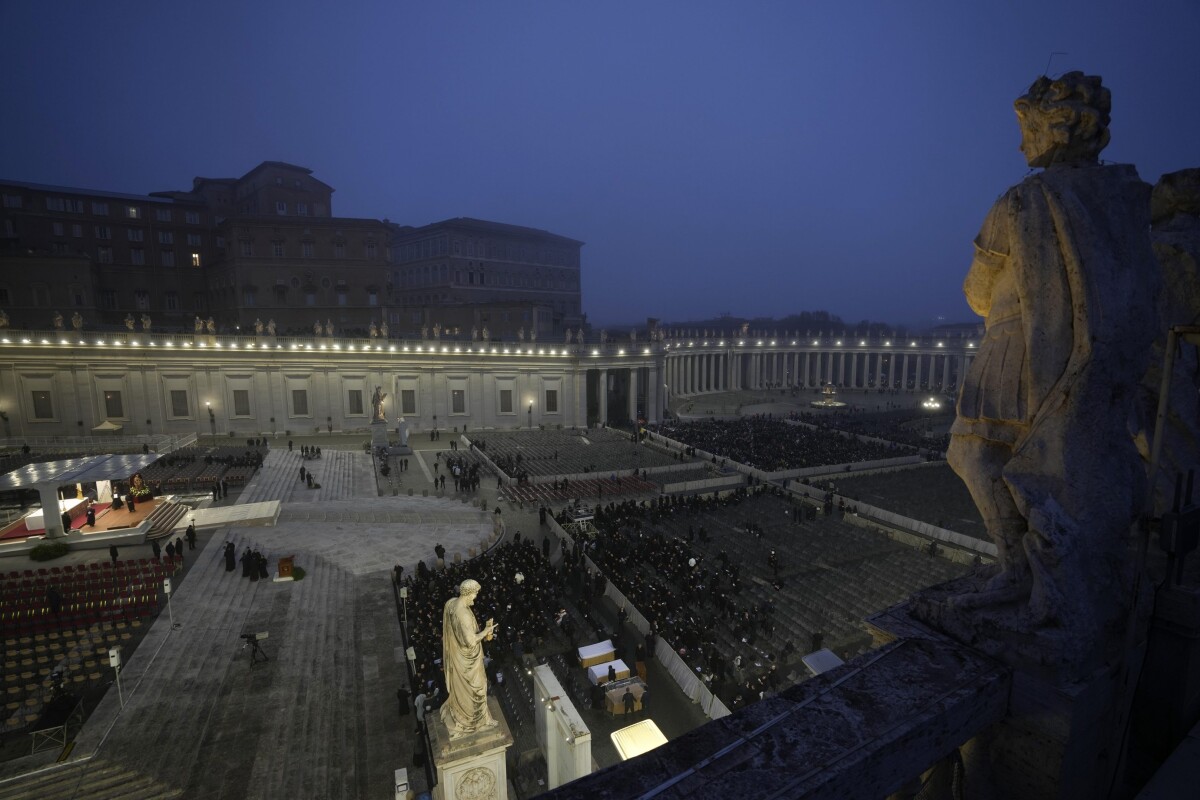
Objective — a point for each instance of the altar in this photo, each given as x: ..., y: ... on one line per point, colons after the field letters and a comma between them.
x: 35, y: 521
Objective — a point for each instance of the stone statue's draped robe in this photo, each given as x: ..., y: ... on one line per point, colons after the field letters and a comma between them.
x: 1066, y: 277
x: 465, y: 710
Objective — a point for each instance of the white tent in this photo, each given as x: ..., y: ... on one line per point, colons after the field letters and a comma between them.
x: 107, y: 426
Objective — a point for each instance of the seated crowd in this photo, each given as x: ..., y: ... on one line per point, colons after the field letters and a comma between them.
x: 772, y: 444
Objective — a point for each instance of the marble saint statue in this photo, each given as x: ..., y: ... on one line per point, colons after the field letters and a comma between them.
x: 383, y: 329
x: 465, y: 710
x: 377, y: 402
x: 271, y: 327
x: 372, y: 331
x: 58, y: 321
x: 258, y: 327
x: 129, y: 322
x: 146, y: 323
x: 211, y: 325
x: 1065, y: 278
x: 77, y: 321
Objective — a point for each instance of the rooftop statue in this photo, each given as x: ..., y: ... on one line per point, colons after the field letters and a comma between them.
x: 1175, y: 216
x: 1064, y: 275
x: 465, y: 710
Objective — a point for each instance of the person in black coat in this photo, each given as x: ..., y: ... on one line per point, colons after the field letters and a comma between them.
x: 230, y: 556
x: 262, y: 566
x: 246, y: 563
x: 170, y: 551
x: 191, y: 535
x: 154, y: 548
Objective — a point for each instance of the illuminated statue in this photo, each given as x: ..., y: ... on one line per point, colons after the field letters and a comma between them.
x: 1066, y: 279
x: 465, y: 710
x: 377, y: 402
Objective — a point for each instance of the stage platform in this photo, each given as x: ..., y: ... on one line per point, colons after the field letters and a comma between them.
x: 106, y: 518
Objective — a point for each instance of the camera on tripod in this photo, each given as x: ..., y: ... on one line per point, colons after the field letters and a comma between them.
x: 254, y: 637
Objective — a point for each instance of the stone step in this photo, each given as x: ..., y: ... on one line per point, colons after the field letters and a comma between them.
x: 93, y: 780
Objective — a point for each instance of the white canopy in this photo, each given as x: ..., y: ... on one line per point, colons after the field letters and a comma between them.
x: 107, y: 426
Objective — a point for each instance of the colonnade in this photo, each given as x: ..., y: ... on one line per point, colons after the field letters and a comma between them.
x: 692, y: 370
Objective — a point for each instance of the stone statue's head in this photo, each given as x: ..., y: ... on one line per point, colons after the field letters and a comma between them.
x: 1064, y: 119
x: 1176, y: 194
x: 469, y: 588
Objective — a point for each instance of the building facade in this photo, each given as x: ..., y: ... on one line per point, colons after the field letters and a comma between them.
x: 478, y: 274
x: 266, y: 246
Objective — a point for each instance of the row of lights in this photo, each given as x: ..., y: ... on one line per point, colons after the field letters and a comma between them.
x: 366, y: 348
x: 815, y: 344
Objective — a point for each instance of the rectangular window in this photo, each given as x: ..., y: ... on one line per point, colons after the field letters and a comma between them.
x: 370, y: 249
x: 195, y: 259
x: 55, y: 204
x: 75, y: 206
x: 306, y: 249
x: 302, y: 209
x: 12, y: 201
x: 58, y: 229
x: 168, y: 258
x: 113, y: 407
x: 458, y: 401
x: 42, y: 407
x: 341, y: 297
x: 166, y: 237
x: 141, y: 299
x: 133, y: 212
x: 280, y: 207
x: 299, y: 402
x: 354, y: 401
x: 193, y: 240
x: 172, y: 301
x: 552, y: 401
x: 108, y: 298
x: 249, y: 297
x: 506, y: 403
x: 77, y: 231
x: 100, y: 209
x: 103, y: 232
x: 247, y: 248
x: 310, y: 298
x: 104, y: 255
x: 162, y: 214
x: 179, y: 403
x: 372, y: 298
x: 192, y: 217
x: 408, y: 401
x: 241, y: 402
x: 277, y: 249
x: 136, y: 234
x: 339, y: 249
x: 137, y: 256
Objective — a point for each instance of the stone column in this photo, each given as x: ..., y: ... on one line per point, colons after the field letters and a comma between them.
x: 904, y: 372
x: 945, y: 372
x: 878, y: 369
x: 917, y: 382
x: 602, y: 404
x: 807, y: 370
x: 653, y: 381
x: 633, y: 393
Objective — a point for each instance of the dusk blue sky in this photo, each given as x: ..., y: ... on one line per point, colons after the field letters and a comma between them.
x: 755, y: 158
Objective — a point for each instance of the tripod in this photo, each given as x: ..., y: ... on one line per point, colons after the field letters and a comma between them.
x: 256, y: 652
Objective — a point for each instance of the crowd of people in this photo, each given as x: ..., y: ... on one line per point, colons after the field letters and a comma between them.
x: 523, y: 608
x: 908, y: 426
x: 681, y: 592
x: 772, y: 444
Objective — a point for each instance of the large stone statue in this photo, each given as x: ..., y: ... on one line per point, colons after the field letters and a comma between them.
x: 198, y: 325
x: 1065, y: 277
x: 465, y: 710
x: 271, y: 327
x: 258, y: 327
x: 211, y: 325
x: 377, y: 403
x: 1175, y: 215
x: 146, y: 323
x: 383, y: 329
x: 129, y: 322
x: 77, y: 321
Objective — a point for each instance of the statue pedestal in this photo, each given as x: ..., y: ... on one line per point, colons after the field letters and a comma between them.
x: 379, y: 435
x: 470, y: 766
x: 401, y: 448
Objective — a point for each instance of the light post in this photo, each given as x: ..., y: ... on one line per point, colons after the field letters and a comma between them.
x: 167, y: 591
